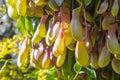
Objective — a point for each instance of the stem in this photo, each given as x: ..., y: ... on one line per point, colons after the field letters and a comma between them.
x: 3, y: 67
x: 75, y: 76
x: 100, y: 23
x: 110, y: 5
x: 79, y: 2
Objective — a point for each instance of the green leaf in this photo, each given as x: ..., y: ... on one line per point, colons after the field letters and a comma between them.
x: 28, y: 24
x: 21, y: 24
x: 87, y: 2
x: 59, y: 2
x: 77, y: 67
x: 51, y: 74
x: 91, y: 72
x: 35, y: 21
x: 67, y: 69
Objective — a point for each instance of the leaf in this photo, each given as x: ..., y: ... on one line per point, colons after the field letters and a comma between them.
x: 51, y: 74
x: 59, y: 2
x: 87, y: 2
x: 21, y: 24
x: 28, y: 24
x: 70, y: 58
x: 77, y: 67
x: 67, y: 68
x: 35, y: 21
x: 91, y: 72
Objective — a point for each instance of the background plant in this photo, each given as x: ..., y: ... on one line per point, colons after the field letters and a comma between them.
x: 60, y: 40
